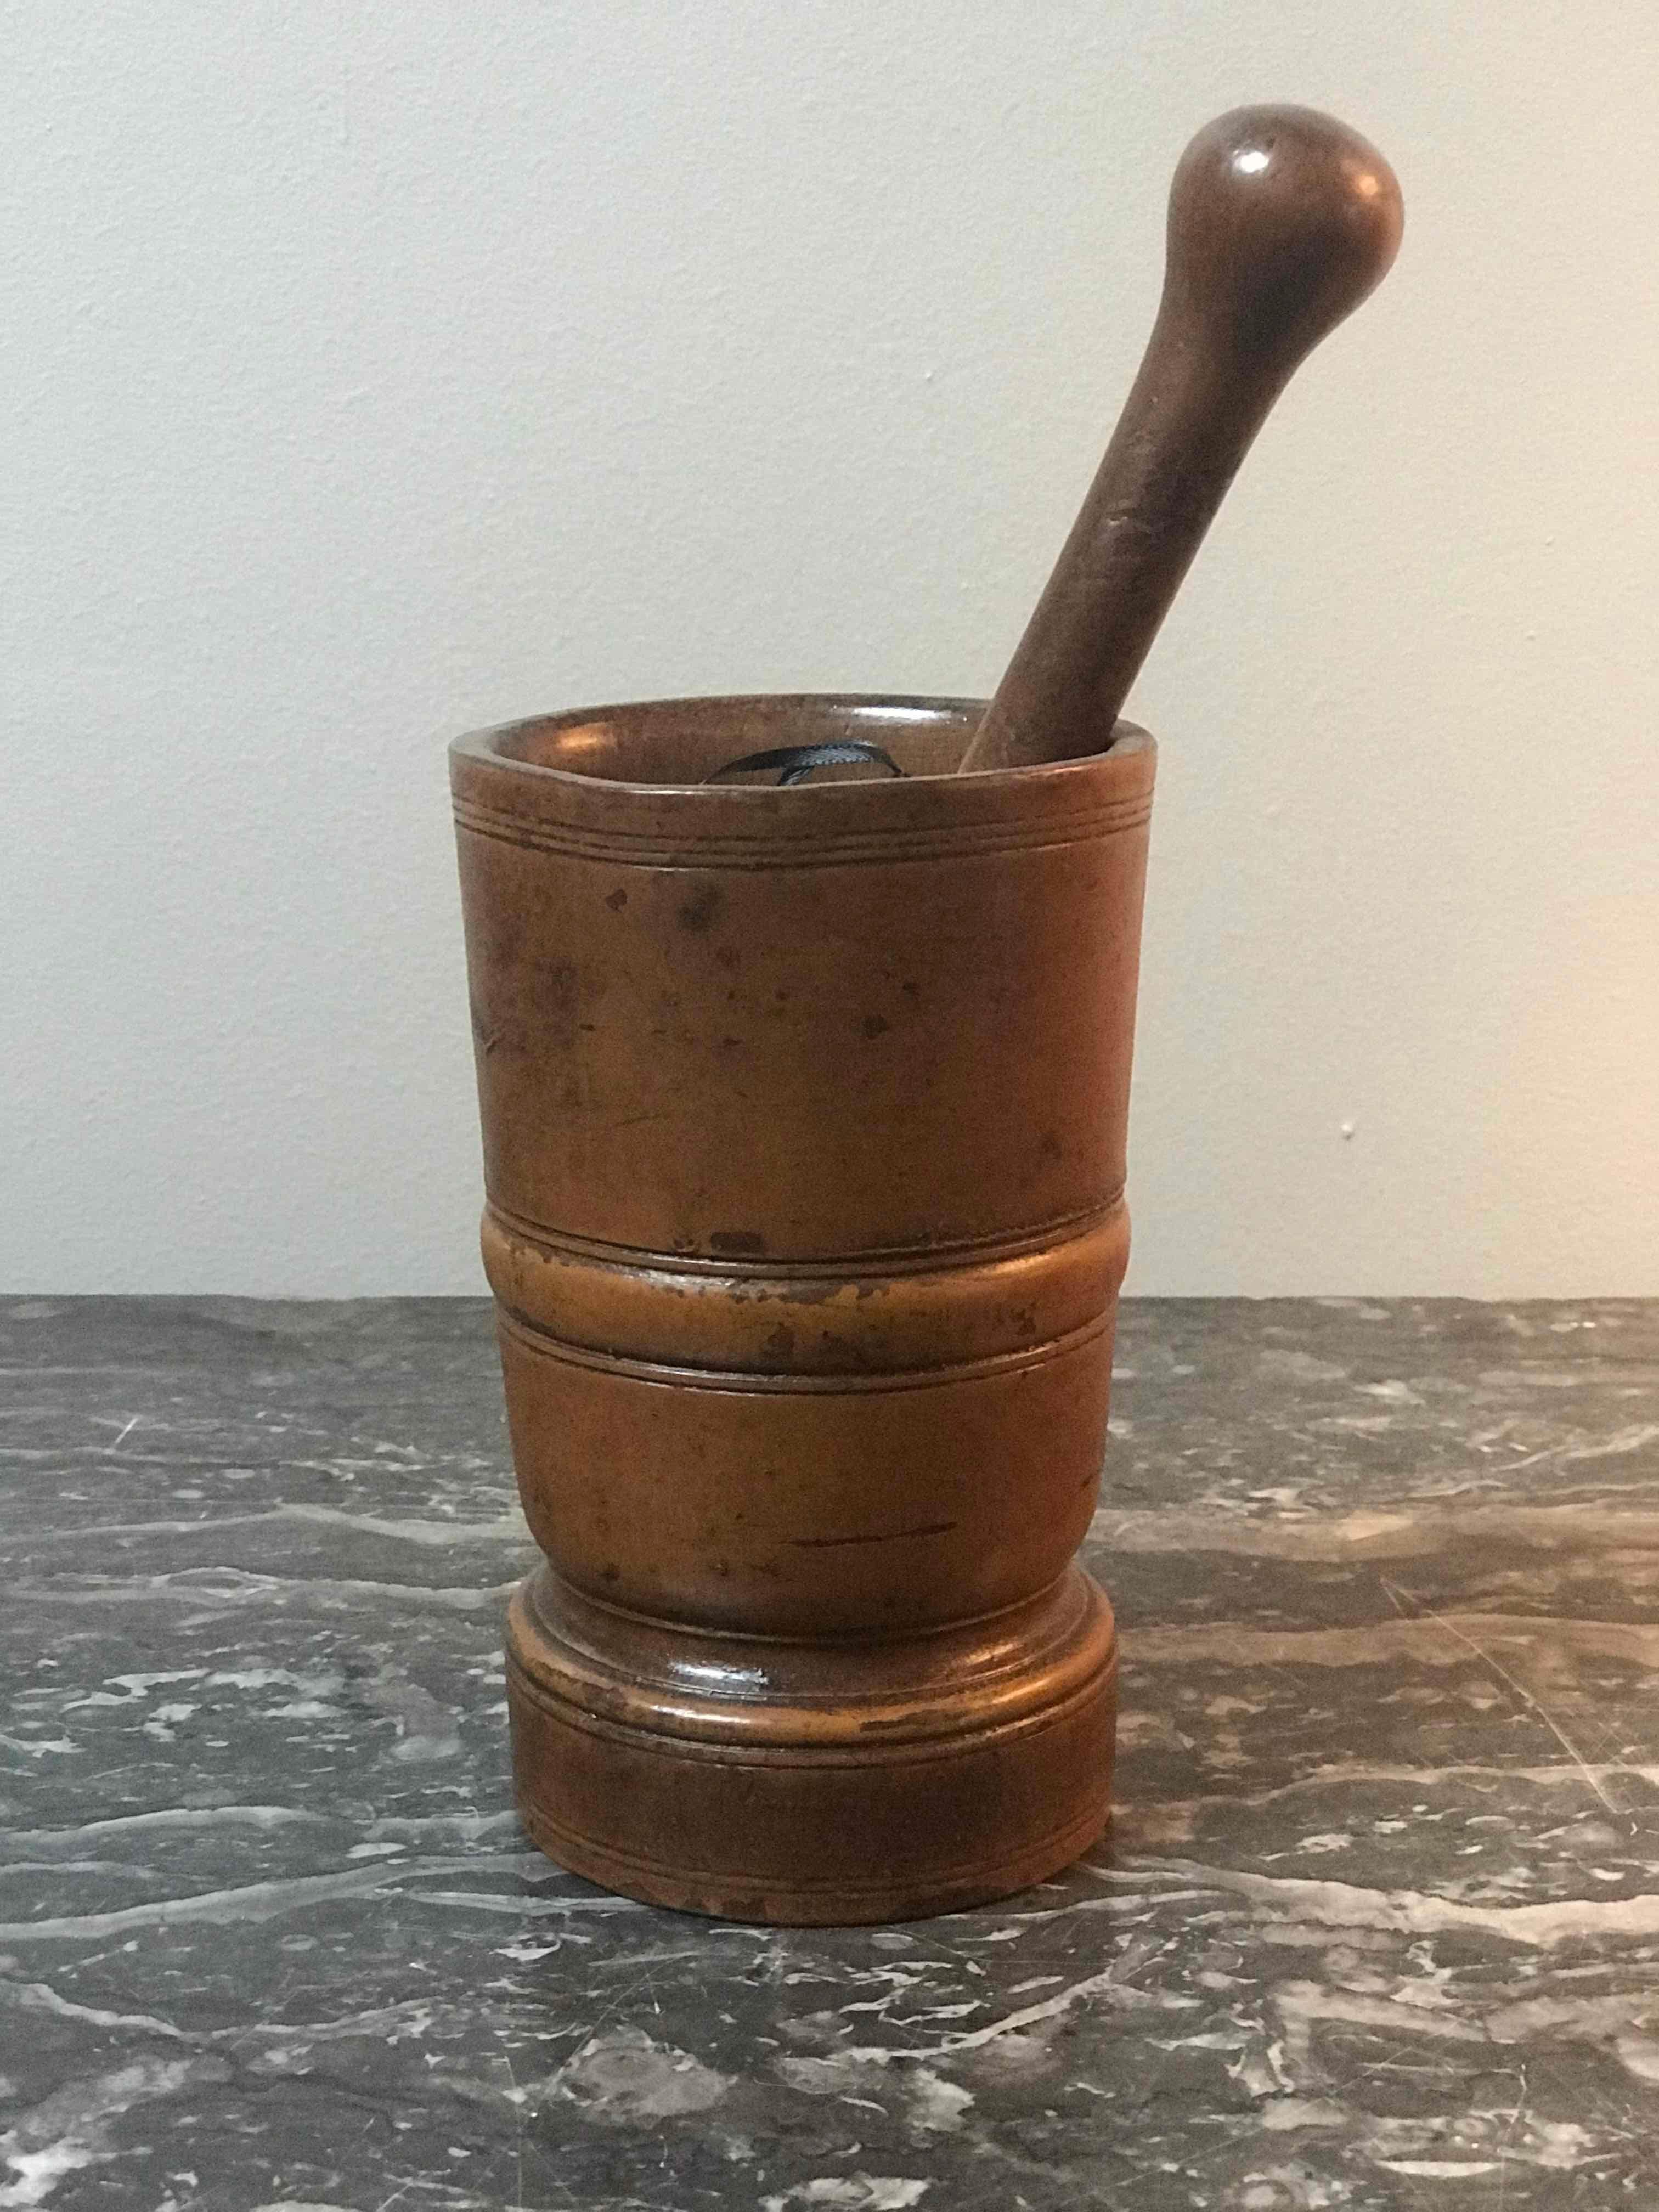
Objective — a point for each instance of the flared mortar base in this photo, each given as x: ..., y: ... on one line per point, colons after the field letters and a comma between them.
x: 812, y: 1785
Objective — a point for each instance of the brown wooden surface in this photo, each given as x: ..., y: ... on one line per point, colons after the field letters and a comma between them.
x: 804, y: 1115
x: 1281, y: 222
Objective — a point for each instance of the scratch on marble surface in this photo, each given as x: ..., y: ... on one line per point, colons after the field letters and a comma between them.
x: 1379, y: 1642
x: 1125, y: 1997
x: 11, y: 1867
x: 266, y: 1900
x: 1397, y: 1532
x: 1533, y: 1704
x: 1147, y: 1828
x: 603, y: 1906
x: 469, y: 1826
x: 503, y: 1528
x: 232, y: 1586
x: 1414, y: 1912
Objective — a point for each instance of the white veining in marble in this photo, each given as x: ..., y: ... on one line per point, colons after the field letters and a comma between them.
x: 1377, y: 1924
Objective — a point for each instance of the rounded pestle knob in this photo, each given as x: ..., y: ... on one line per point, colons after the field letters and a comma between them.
x: 1281, y: 220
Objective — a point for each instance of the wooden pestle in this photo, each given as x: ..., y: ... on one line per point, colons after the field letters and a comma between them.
x: 1281, y: 220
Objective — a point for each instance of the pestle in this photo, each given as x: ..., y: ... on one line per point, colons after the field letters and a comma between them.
x: 1281, y: 220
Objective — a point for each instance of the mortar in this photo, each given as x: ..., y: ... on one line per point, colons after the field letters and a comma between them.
x: 804, y: 1117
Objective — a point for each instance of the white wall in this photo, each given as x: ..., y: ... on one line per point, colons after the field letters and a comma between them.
x: 369, y: 372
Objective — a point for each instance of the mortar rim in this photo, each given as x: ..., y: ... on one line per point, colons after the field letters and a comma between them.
x: 484, y: 747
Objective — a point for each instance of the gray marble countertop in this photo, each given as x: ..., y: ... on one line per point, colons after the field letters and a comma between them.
x: 1377, y: 1924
